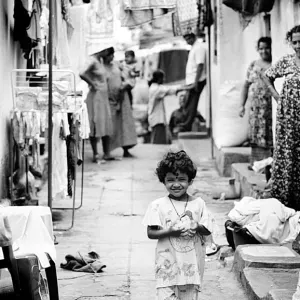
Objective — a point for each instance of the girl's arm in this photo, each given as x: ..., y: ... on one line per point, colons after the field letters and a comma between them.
x: 157, y: 232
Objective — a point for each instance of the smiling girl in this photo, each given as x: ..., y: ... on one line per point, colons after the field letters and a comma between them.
x: 180, y: 223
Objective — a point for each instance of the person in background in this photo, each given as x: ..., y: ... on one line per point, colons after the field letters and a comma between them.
x: 181, y: 225
x: 285, y: 176
x: 195, y: 76
x: 256, y: 91
x: 156, y: 108
x: 98, y: 106
x: 129, y: 73
x: 124, y: 133
x: 179, y: 115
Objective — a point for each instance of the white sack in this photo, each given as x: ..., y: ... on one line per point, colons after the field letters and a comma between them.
x: 230, y: 129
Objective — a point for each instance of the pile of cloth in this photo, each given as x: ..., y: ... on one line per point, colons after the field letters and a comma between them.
x: 83, y: 262
x: 267, y: 220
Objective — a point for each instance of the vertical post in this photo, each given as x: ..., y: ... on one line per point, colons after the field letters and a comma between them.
x: 209, y: 83
x: 209, y: 93
x: 50, y: 105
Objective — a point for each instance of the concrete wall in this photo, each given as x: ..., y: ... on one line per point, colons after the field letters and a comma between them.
x: 10, y: 57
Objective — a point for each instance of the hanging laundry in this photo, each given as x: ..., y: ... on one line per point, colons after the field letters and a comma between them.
x: 22, y: 22
x: 100, y: 26
x: 136, y: 13
x: 59, y: 156
x: 78, y: 55
x: 149, y: 4
x: 61, y: 48
x: 65, y: 8
x: 34, y: 29
x: 185, y: 17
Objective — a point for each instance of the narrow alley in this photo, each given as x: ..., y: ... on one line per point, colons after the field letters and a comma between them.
x: 116, y: 195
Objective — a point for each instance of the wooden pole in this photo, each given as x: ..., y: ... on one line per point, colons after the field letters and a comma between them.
x: 50, y: 125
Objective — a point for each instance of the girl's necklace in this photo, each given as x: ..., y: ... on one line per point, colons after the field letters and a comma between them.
x: 187, y: 200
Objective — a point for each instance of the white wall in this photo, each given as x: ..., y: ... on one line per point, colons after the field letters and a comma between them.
x: 236, y: 49
x: 9, y: 58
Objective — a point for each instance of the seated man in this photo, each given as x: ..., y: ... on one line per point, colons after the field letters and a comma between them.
x: 179, y: 116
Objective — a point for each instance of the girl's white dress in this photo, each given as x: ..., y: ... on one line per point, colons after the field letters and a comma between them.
x: 179, y: 260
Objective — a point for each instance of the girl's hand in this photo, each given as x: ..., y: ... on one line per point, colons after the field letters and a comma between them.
x: 176, y: 231
x: 193, y: 230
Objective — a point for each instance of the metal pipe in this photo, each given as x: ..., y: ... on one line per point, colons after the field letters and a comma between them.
x: 50, y: 128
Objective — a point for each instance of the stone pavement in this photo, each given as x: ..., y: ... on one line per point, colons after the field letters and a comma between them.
x: 116, y: 195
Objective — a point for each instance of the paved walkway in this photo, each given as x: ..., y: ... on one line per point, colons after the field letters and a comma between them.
x: 116, y: 195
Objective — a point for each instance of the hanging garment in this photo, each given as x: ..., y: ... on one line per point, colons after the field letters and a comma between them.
x: 34, y: 29
x: 66, y: 16
x: 59, y: 156
x: 77, y: 43
x: 100, y: 25
x: 22, y: 21
x: 71, y: 156
x: 185, y: 17
x: 250, y: 7
x: 61, y: 48
x: 136, y: 13
x: 149, y: 4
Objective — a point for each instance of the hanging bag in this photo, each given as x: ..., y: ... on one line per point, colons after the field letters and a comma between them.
x: 250, y: 7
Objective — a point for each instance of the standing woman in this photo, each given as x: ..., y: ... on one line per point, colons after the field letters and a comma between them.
x: 256, y: 91
x: 124, y: 133
x: 98, y: 106
x: 285, y: 180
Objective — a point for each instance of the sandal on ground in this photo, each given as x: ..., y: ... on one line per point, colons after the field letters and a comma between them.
x: 107, y: 158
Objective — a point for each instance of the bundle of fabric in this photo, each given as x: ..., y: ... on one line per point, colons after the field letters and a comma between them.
x: 138, y: 12
x: 268, y: 220
x: 89, y: 263
x: 250, y: 7
x: 185, y: 17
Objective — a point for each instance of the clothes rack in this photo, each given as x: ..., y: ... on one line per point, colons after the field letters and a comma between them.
x: 40, y: 83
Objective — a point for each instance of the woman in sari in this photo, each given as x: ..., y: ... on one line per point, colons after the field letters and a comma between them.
x: 124, y: 133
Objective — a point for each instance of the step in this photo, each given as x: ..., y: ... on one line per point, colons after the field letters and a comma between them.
x: 265, y: 256
x: 252, y: 184
x: 280, y: 294
x: 192, y: 135
x: 260, y: 283
x: 227, y: 156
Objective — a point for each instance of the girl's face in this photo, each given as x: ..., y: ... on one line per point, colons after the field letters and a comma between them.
x: 296, y: 43
x: 264, y: 51
x: 177, y: 184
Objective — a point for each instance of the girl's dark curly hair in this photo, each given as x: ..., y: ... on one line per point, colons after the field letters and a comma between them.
x: 289, y: 34
x: 176, y: 162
